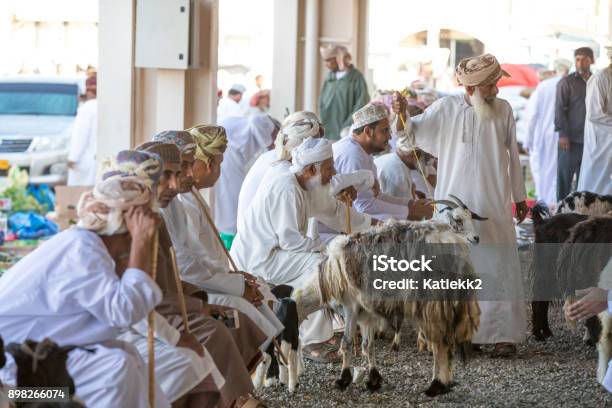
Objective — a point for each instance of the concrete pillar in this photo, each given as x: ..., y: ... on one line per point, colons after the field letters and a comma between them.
x: 115, y: 77
x: 311, y: 55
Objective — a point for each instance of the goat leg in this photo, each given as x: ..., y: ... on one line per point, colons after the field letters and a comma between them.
x: 346, y: 345
x: 539, y: 319
x: 593, y: 330
x: 442, y: 375
x: 396, y: 324
x: 374, y: 381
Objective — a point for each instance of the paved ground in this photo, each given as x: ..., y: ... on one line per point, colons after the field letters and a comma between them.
x: 559, y: 373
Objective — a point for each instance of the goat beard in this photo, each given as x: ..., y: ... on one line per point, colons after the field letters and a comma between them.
x: 485, y: 108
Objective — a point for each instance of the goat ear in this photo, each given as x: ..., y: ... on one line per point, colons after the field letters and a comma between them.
x: 477, y: 217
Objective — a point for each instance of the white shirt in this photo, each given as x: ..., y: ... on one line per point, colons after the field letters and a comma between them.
x: 349, y: 156
x: 596, y: 167
x: 83, y: 144
x: 68, y: 290
x: 253, y: 179
x: 394, y: 176
x: 228, y: 108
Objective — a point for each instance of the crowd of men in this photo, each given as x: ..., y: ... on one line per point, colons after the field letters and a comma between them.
x: 94, y: 284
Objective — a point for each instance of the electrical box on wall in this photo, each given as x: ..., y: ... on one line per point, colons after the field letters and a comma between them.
x: 167, y: 34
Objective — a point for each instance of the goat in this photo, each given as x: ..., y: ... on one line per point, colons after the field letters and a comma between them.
x: 447, y: 319
x: 550, y: 233
x: 43, y: 364
x: 274, y: 368
x: 585, y: 202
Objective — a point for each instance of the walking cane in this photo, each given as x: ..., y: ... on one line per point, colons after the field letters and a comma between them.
x: 179, y: 289
x: 200, y: 200
x: 151, y: 329
x: 349, y: 205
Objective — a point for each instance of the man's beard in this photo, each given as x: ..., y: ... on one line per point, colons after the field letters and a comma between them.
x: 485, y: 109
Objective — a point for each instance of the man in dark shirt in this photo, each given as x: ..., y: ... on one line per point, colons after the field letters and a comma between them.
x: 570, y: 113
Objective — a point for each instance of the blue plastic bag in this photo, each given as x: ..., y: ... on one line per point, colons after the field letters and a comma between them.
x: 43, y: 194
x: 30, y: 225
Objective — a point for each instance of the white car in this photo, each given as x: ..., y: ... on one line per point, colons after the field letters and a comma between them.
x: 36, y: 119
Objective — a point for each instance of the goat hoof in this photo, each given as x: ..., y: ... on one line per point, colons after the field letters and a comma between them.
x: 374, y: 380
x: 547, y: 332
x: 395, y: 347
x: 541, y: 335
x: 590, y: 342
x: 437, y: 388
x: 345, y: 379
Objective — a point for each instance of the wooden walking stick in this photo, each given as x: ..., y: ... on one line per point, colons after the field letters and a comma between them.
x: 200, y: 200
x: 151, y: 328
x: 179, y: 290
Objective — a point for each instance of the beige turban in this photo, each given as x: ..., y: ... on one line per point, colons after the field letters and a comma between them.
x: 295, y: 128
x: 372, y: 112
x: 210, y: 141
x: 127, y: 182
x: 481, y: 70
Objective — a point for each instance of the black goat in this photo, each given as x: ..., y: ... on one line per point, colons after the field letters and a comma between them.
x: 550, y: 233
x: 43, y: 364
x: 273, y: 367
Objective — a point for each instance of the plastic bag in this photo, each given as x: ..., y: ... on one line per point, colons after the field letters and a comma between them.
x: 44, y: 195
x: 30, y: 225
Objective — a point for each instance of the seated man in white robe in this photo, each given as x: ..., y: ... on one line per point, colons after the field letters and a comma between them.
x: 245, y: 334
x: 181, y: 363
x: 69, y: 291
x: 371, y: 134
x: 236, y: 290
x: 395, y: 169
x: 295, y: 128
x: 272, y: 243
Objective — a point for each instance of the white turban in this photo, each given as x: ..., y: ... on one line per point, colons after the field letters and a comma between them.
x: 372, y: 112
x: 340, y: 52
x: 311, y: 151
x: 362, y: 180
x: 296, y: 127
x: 481, y: 70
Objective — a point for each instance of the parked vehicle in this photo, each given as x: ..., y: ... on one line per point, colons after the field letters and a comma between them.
x: 36, y: 119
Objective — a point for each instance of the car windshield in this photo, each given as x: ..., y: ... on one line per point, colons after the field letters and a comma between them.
x: 26, y: 98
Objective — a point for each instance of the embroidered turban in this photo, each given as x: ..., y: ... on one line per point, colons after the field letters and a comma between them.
x: 295, y: 128
x: 481, y: 70
x: 210, y: 141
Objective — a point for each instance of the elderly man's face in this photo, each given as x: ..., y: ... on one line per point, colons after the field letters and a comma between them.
x: 488, y: 92
x: 327, y: 171
x: 186, y: 176
x: 332, y: 64
x: 167, y: 188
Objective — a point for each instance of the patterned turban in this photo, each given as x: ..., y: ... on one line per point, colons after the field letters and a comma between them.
x: 182, y: 139
x: 127, y: 182
x: 372, y: 112
x: 210, y: 141
x: 295, y: 128
x: 481, y: 70
x: 169, y: 153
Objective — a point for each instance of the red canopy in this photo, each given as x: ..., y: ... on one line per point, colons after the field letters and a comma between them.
x: 522, y: 75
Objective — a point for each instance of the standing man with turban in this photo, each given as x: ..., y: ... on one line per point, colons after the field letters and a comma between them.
x: 596, y: 170
x: 83, y: 143
x: 570, y: 114
x: 344, y: 91
x: 70, y: 290
x: 473, y: 135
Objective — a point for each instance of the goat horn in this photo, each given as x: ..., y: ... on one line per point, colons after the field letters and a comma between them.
x: 448, y: 203
x: 477, y: 217
x: 458, y: 200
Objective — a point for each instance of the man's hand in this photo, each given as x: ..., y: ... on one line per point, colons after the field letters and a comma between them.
x: 376, y: 188
x: 521, y: 211
x: 348, y: 194
x: 252, y: 294
x: 593, y: 302
x: 141, y: 222
x: 420, y: 209
x: 399, y: 106
x: 564, y: 143
x: 191, y: 342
